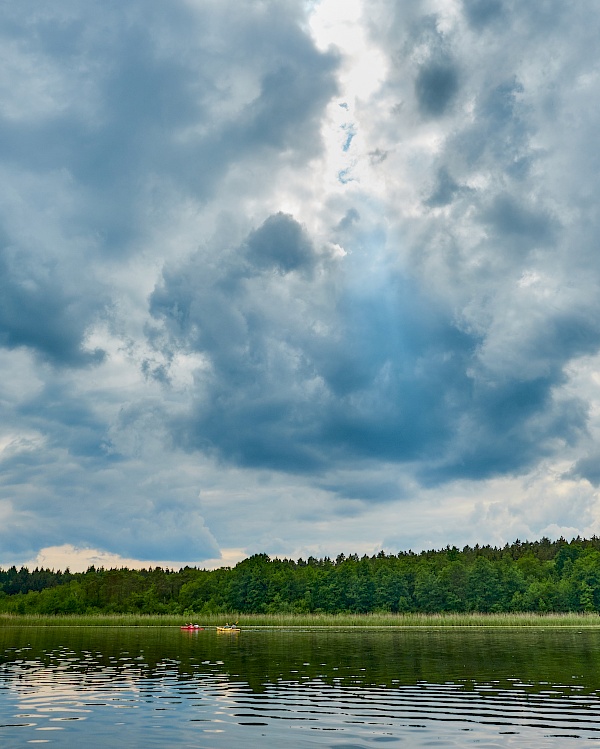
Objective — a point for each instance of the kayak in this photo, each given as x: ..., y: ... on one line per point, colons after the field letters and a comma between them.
x: 191, y: 626
x: 228, y: 628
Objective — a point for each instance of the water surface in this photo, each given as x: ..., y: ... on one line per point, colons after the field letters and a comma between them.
x: 158, y: 687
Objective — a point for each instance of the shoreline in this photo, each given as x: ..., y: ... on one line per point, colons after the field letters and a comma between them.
x: 314, y: 622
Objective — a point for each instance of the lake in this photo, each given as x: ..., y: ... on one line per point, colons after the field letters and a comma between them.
x: 161, y: 687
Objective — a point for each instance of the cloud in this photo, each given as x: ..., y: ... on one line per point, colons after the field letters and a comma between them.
x: 57, y: 488
x: 116, y: 119
x: 143, y: 101
x: 383, y: 372
x: 436, y: 86
x: 481, y: 13
x: 39, y: 313
x: 201, y: 322
x: 588, y: 468
x: 280, y: 243
x: 445, y: 191
x: 455, y: 367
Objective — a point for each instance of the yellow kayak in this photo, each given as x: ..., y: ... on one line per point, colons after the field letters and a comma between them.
x: 228, y: 628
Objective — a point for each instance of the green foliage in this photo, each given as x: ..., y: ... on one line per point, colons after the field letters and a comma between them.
x: 538, y: 577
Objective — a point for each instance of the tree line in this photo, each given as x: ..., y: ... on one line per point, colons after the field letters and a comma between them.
x: 538, y: 576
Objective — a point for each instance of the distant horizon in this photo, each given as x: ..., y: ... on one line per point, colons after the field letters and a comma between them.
x: 112, y: 563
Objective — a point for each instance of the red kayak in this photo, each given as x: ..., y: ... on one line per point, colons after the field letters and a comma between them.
x: 191, y: 626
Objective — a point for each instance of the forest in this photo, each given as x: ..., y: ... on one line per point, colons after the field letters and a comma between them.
x: 537, y: 576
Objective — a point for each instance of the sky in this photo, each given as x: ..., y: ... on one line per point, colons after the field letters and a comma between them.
x: 296, y: 277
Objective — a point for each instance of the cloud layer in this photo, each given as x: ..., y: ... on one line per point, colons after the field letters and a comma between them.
x: 245, y: 292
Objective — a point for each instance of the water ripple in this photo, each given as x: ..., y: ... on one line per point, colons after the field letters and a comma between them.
x: 206, y: 694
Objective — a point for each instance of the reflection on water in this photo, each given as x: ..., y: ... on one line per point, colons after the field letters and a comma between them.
x: 99, y: 687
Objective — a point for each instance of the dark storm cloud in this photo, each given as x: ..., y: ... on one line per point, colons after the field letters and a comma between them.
x: 587, y: 468
x: 365, y: 489
x: 389, y: 380
x: 510, y: 248
x: 68, y: 421
x: 37, y: 313
x: 480, y: 13
x: 117, y: 117
x: 146, y: 93
x: 436, y: 86
x: 507, y: 428
x: 384, y: 369
x: 280, y: 243
x: 511, y: 219
x: 284, y: 114
x: 421, y: 53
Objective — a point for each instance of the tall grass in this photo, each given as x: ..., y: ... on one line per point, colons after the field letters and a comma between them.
x: 381, y: 620
x: 306, y: 621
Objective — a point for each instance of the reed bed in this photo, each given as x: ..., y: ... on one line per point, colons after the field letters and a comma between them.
x: 309, y: 621
x: 386, y: 620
